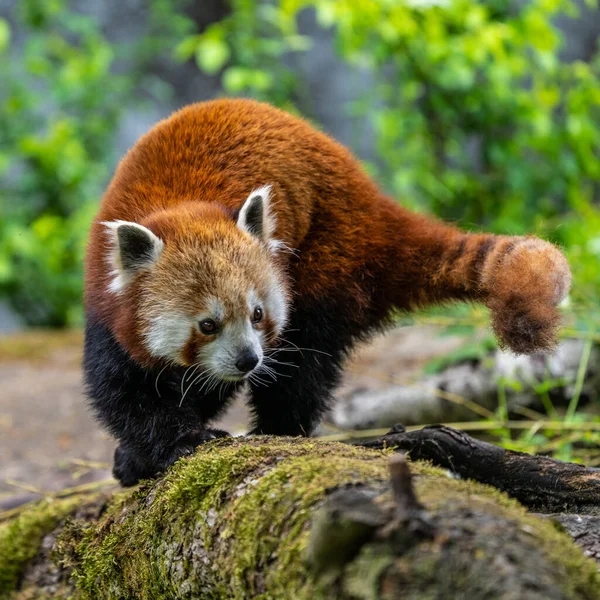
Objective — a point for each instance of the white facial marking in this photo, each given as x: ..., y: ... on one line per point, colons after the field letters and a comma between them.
x: 167, y: 335
x: 252, y: 301
x: 277, y: 303
x: 216, y: 310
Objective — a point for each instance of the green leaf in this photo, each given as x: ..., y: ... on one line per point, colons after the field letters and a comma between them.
x: 6, y: 269
x: 187, y: 47
x: 211, y: 55
x: 326, y: 13
x: 235, y: 79
x: 261, y: 80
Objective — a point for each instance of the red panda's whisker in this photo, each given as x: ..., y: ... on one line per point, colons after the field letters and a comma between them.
x: 278, y: 374
x: 279, y: 362
x: 199, y: 377
x: 189, y: 387
x: 271, y: 375
x: 272, y: 369
x: 268, y: 371
x: 195, y: 377
x: 224, y: 386
x: 256, y: 380
x: 277, y: 349
x: 194, y: 366
x: 264, y: 367
x: 298, y: 349
x: 185, y: 394
x: 206, y: 383
x: 214, y: 384
x: 156, y: 382
x: 309, y: 350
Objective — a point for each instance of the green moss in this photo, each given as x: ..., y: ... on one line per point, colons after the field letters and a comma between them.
x: 363, y: 575
x: 20, y: 538
x: 287, y: 495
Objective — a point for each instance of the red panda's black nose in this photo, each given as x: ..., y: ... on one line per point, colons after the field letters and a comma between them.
x: 246, y: 361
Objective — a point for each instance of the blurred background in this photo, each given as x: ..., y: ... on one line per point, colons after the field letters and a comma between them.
x: 485, y: 113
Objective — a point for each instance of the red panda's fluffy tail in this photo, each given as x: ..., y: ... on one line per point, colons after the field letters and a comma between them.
x: 524, y: 284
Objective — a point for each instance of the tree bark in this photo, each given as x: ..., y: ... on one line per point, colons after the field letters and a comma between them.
x: 292, y: 518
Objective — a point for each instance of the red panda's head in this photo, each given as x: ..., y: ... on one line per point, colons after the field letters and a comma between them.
x: 202, y: 287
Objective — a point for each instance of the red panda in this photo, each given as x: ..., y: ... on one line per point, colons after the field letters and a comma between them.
x: 238, y: 246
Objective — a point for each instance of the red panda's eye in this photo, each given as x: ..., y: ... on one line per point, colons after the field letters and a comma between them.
x: 208, y: 327
x: 258, y: 315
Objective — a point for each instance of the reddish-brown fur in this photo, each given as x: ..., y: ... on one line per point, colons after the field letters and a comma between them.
x: 352, y: 241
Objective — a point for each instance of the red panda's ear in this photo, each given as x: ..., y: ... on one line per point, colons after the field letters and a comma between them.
x: 134, y: 247
x: 255, y: 215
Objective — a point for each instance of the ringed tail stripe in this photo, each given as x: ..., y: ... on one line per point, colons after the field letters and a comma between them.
x: 478, y: 262
x: 457, y: 252
x: 473, y: 259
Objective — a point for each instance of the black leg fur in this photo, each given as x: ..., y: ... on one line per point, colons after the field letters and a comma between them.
x: 143, y: 412
x: 296, y: 401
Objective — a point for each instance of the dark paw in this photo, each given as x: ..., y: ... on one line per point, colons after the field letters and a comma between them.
x: 200, y: 436
x: 127, y: 470
x: 188, y: 443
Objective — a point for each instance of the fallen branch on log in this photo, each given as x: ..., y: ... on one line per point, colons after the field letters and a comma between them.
x: 540, y: 483
x: 291, y: 518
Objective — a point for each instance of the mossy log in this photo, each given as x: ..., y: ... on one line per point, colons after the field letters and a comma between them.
x: 279, y: 518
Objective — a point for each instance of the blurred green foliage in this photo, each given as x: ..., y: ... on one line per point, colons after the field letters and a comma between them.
x: 248, y: 49
x: 60, y: 105
x: 57, y: 114
x: 475, y: 119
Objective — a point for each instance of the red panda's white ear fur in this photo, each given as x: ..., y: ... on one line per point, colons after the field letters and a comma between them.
x: 255, y: 215
x: 134, y: 247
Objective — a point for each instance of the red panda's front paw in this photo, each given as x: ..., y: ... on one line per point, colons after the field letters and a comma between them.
x: 524, y: 289
x: 188, y: 443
